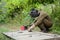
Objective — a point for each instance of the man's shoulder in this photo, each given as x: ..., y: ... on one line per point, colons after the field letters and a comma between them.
x: 43, y: 12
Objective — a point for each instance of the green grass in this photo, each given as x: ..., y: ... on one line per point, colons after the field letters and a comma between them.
x: 3, y: 37
x: 55, y: 30
x: 3, y: 29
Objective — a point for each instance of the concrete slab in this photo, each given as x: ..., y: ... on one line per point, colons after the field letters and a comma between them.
x: 25, y: 35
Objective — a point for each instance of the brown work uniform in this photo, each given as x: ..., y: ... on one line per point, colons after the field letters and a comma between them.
x: 43, y: 21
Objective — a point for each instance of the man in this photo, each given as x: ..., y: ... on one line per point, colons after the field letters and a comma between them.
x: 43, y: 21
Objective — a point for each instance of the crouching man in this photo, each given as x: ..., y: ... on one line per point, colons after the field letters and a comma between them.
x: 43, y: 21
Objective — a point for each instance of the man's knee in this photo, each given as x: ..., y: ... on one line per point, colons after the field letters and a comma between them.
x: 47, y: 23
x: 42, y: 27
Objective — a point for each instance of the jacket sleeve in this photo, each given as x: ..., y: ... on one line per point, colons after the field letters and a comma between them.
x: 40, y: 19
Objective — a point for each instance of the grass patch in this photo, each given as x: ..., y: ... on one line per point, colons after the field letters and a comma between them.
x: 3, y: 37
x: 3, y: 29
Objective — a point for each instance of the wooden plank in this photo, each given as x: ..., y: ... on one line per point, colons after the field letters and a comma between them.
x: 25, y: 35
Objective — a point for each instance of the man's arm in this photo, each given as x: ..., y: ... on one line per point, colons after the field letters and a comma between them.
x: 40, y: 19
